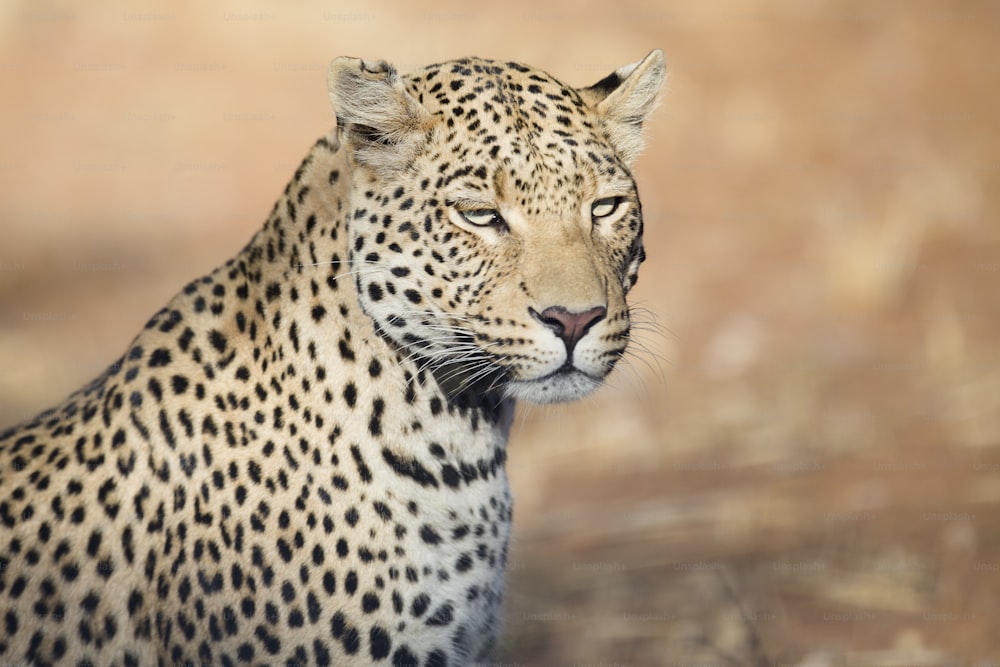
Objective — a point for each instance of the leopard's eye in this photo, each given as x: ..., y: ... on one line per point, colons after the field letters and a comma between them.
x: 602, y: 208
x: 482, y: 217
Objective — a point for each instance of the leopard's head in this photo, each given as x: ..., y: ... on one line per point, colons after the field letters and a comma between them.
x: 494, y: 225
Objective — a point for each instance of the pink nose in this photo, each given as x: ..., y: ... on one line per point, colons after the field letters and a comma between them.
x: 570, y: 327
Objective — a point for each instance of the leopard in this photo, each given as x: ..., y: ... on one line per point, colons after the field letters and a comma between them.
x: 300, y: 459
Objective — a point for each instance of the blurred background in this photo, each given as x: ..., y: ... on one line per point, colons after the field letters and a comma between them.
x: 800, y: 465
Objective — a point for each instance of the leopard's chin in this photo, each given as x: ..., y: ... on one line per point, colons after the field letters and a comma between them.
x: 559, y: 387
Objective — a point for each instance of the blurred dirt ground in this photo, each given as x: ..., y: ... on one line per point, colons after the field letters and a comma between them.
x: 801, y: 463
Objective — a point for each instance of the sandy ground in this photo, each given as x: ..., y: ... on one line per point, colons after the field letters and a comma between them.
x: 801, y: 463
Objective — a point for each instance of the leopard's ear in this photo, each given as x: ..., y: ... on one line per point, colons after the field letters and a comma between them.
x: 377, y: 118
x: 625, y: 98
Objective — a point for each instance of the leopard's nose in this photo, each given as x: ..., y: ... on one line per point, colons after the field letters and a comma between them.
x: 569, y: 326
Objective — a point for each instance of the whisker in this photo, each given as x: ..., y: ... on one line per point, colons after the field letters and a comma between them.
x: 653, y: 363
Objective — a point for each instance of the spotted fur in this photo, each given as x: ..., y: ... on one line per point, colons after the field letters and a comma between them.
x: 300, y: 459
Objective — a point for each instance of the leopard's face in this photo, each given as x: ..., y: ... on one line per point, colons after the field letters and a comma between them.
x: 502, y: 248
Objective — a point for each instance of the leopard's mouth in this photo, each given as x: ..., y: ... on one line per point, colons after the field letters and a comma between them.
x: 467, y: 367
x: 567, y: 383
